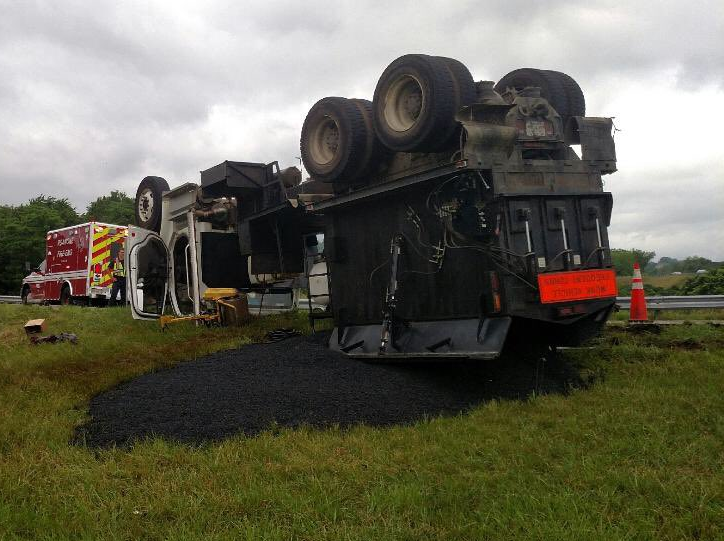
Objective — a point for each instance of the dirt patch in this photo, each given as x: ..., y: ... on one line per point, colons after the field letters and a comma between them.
x: 300, y: 382
x: 687, y: 343
x: 643, y: 328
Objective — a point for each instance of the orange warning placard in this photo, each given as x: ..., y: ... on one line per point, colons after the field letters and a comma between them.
x: 576, y: 285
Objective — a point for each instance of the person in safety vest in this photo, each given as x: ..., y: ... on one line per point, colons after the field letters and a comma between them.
x: 119, y: 277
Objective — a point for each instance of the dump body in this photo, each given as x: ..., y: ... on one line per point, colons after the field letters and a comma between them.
x: 503, y: 237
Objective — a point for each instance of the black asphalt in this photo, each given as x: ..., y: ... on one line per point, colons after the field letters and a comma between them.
x: 300, y: 382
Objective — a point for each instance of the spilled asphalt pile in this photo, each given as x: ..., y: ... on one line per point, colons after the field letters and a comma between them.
x: 297, y: 382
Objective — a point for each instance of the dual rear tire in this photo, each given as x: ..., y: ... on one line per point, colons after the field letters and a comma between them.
x: 559, y: 89
x: 338, y: 141
x: 416, y: 99
x: 413, y: 110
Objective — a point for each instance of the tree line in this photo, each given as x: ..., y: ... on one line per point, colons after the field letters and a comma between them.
x: 23, y: 229
x: 623, y: 261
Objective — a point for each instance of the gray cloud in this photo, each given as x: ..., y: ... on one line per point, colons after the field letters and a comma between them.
x: 94, y: 97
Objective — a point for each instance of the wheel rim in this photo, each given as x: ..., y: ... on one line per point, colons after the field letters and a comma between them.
x: 324, y: 141
x: 145, y: 205
x: 404, y: 102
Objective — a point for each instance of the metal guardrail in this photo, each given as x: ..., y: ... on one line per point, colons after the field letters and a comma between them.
x: 691, y: 302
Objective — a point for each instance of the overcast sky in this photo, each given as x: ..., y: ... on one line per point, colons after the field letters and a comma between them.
x: 96, y: 95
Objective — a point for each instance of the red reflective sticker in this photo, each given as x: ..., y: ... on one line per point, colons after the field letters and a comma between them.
x: 577, y: 285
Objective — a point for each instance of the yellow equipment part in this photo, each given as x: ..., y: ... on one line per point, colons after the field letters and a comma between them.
x: 216, y: 293
x: 165, y: 320
x: 230, y: 308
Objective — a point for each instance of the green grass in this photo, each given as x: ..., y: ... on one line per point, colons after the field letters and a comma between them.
x: 712, y: 314
x: 639, y: 455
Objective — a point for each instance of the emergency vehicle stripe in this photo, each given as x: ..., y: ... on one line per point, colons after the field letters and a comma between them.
x: 102, y: 246
x: 99, y: 238
x: 100, y: 256
x: 101, y: 243
x: 101, y: 253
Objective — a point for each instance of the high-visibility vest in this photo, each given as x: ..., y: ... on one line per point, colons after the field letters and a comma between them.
x: 118, y: 270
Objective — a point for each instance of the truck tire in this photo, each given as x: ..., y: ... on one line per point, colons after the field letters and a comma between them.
x: 465, y: 92
x: 24, y: 295
x: 373, y: 149
x: 561, y: 90
x: 148, y: 202
x: 337, y: 141
x: 414, y: 104
x: 65, y: 295
x: 463, y: 79
x: 574, y: 94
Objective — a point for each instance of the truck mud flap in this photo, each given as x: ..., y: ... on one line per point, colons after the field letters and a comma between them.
x: 447, y: 339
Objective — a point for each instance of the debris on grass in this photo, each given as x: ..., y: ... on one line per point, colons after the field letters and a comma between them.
x: 55, y: 338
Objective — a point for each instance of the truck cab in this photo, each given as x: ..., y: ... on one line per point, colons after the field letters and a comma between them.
x: 33, y: 286
x: 204, y: 240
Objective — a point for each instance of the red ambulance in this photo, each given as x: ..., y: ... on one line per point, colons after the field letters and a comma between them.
x: 76, y: 264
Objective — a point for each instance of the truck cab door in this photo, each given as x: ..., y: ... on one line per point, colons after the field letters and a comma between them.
x: 36, y: 283
x: 147, y: 264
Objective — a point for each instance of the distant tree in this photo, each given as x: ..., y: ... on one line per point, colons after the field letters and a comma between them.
x: 22, y: 235
x: 623, y: 260
x: 695, y: 262
x: 66, y: 212
x: 116, y: 208
x: 6, y: 218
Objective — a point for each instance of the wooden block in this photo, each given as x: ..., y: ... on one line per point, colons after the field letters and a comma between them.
x: 35, y: 326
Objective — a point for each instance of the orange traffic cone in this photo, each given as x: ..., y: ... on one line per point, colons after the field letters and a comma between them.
x: 638, y: 310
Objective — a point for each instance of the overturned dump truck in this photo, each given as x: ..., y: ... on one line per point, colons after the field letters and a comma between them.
x: 446, y: 218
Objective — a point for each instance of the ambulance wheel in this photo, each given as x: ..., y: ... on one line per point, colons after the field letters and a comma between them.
x: 65, y: 296
x: 25, y: 294
x: 148, y: 202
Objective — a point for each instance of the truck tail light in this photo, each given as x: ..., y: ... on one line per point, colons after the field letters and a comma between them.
x: 97, y: 269
x: 495, y: 290
x: 574, y: 310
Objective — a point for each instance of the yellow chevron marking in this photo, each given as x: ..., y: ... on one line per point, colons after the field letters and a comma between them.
x: 100, y: 233
x: 98, y: 257
x: 96, y: 237
x: 118, y: 236
x: 103, y: 244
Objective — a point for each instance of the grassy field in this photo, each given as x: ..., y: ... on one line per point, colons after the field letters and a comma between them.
x: 639, y: 455
x: 654, y: 283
